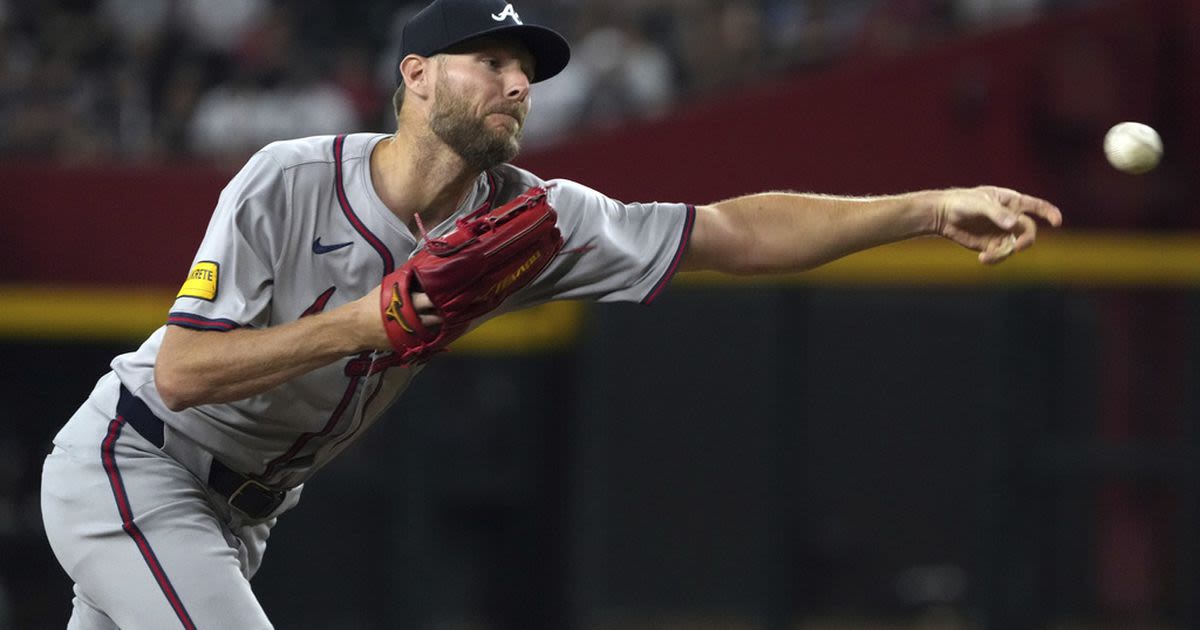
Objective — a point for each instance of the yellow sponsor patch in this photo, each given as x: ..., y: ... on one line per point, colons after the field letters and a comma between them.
x: 201, y: 282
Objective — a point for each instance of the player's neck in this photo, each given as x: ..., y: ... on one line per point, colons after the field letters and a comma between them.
x: 411, y: 177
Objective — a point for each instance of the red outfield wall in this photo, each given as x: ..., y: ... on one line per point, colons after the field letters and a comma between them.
x: 1024, y: 107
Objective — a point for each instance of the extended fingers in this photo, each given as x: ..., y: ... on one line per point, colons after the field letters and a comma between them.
x: 1025, y: 234
x: 997, y: 222
x: 998, y: 249
x: 1002, y: 246
x: 1026, y: 205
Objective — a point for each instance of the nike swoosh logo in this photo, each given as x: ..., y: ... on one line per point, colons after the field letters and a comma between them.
x: 318, y: 248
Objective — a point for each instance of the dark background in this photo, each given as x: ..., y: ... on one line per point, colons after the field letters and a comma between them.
x: 883, y: 454
x: 890, y: 452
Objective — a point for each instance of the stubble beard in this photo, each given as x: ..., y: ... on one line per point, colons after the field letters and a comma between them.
x: 480, y: 146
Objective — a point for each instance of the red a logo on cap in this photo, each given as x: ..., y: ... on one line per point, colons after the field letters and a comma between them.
x: 508, y: 11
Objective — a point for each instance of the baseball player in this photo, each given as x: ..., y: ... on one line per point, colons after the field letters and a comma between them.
x: 306, y: 314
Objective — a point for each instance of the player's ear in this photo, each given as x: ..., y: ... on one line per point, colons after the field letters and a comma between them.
x: 417, y: 75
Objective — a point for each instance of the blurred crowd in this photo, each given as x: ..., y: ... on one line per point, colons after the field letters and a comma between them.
x: 88, y: 80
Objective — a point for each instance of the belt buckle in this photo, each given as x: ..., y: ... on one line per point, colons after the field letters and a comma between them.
x: 257, y: 492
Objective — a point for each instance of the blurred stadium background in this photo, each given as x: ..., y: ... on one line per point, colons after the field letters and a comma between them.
x: 900, y: 440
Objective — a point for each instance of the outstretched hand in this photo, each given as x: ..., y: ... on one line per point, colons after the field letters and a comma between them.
x: 996, y: 222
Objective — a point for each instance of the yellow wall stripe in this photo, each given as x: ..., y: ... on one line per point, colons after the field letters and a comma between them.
x: 82, y: 313
x: 74, y: 313
x: 1088, y: 259
x: 551, y: 326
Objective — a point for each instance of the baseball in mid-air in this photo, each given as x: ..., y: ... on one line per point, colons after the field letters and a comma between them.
x: 1132, y: 147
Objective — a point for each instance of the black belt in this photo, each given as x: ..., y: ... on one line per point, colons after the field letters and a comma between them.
x: 247, y: 495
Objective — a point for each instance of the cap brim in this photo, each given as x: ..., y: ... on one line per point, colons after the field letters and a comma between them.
x: 550, y: 51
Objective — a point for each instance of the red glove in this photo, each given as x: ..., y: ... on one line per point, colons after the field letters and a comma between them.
x: 488, y: 256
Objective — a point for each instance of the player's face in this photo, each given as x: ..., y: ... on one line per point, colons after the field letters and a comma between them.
x: 481, y: 99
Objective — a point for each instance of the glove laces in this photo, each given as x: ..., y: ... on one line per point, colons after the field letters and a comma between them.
x: 421, y: 226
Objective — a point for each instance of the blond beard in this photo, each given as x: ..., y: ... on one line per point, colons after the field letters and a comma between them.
x: 469, y: 136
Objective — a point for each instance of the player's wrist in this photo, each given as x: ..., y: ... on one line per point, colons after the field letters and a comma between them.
x: 367, y: 331
x: 928, y: 210
x: 348, y: 329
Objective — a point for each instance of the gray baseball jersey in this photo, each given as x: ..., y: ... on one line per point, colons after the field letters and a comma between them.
x: 301, y: 229
x: 129, y: 514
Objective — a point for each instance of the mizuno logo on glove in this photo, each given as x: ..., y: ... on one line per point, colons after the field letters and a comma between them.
x: 395, y: 309
x: 508, y: 280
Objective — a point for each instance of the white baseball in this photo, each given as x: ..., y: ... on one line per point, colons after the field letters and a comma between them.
x: 1133, y: 147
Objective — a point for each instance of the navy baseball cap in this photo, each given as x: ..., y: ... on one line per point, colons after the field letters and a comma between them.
x: 445, y: 23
